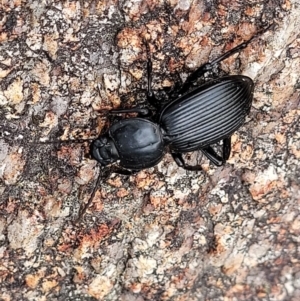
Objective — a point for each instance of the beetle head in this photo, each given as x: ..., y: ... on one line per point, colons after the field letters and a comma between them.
x: 104, y: 151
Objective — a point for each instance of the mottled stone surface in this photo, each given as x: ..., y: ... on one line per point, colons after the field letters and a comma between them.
x: 227, y: 233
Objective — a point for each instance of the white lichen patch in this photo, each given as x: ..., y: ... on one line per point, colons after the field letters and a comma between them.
x: 24, y: 231
x: 14, y: 92
x: 100, y: 287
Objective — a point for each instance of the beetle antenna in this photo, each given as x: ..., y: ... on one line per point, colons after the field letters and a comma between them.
x: 63, y: 141
x: 266, y: 28
x: 48, y: 142
x: 84, y: 208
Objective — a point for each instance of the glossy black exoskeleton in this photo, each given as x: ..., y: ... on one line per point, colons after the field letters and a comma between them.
x: 194, y: 120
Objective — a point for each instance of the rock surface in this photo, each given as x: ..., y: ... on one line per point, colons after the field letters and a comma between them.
x: 228, y: 233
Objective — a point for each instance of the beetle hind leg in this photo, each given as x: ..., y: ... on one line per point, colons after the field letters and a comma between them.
x: 210, y: 153
x: 226, y: 148
x: 180, y: 162
x: 209, y: 66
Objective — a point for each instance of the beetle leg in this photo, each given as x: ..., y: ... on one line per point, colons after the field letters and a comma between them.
x: 150, y: 94
x: 180, y: 162
x: 210, y: 153
x: 140, y: 111
x: 237, y: 48
x: 214, y: 157
x: 122, y: 171
x: 226, y: 148
x: 174, y: 91
x: 209, y: 66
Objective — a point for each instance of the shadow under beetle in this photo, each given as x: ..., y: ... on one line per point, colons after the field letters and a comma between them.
x: 192, y: 121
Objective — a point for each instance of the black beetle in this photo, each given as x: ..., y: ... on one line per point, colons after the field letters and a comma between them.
x: 192, y: 121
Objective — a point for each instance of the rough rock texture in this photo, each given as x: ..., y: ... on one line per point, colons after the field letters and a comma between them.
x: 229, y: 233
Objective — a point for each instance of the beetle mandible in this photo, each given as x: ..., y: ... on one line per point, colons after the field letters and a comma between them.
x: 192, y: 121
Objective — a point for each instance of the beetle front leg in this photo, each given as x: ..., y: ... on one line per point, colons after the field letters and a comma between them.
x: 180, y: 162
